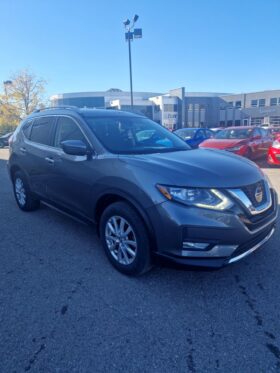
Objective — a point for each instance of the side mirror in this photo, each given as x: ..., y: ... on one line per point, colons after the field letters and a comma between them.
x: 75, y: 147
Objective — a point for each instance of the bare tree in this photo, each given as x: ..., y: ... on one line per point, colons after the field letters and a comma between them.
x: 23, y: 93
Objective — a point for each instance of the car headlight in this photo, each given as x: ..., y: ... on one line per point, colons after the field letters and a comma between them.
x: 276, y: 144
x: 204, y: 198
x: 235, y: 148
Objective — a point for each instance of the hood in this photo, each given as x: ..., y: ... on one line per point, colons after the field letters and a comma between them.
x: 222, y: 143
x: 204, y: 168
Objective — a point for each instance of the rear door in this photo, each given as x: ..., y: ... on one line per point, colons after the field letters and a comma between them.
x: 266, y: 141
x: 37, y: 149
x: 256, y: 143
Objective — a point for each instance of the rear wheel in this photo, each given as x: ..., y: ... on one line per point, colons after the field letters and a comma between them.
x: 23, y: 195
x: 125, y: 239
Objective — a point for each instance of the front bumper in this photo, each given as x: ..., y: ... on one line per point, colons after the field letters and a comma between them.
x: 229, y: 235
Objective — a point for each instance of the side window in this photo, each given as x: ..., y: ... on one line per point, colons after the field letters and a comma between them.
x: 200, y: 134
x: 26, y: 128
x: 256, y: 132
x: 264, y: 132
x: 67, y: 129
x: 42, y: 130
x: 209, y: 133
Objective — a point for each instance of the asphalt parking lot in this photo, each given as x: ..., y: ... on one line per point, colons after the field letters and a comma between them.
x: 63, y: 308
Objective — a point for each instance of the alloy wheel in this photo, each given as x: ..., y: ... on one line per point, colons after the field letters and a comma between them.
x: 121, y: 240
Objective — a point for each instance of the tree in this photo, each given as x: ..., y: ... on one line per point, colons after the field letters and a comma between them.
x: 22, y: 94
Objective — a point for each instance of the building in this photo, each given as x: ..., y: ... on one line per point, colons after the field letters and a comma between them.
x: 179, y: 108
x: 256, y: 108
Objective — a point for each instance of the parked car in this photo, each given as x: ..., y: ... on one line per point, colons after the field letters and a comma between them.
x: 273, y: 156
x: 194, y: 136
x: 250, y: 142
x: 147, y: 191
x: 4, y: 139
x: 274, y: 131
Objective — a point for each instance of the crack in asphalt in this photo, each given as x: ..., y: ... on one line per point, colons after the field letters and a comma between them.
x: 34, y: 358
x: 251, y: 304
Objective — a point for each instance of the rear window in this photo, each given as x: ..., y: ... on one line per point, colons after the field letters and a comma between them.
x: 234, y: 133
x: 42, y: 130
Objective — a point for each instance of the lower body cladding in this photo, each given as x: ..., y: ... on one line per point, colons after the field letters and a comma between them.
x: 205, y: 238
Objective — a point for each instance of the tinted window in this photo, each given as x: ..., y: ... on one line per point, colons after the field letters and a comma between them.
x: 42, y: 130
x: 26, y: 128
x: 67, y: 129
x: 134, y: 135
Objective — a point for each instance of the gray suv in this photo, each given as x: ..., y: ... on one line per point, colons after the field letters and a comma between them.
x: 148, y: 192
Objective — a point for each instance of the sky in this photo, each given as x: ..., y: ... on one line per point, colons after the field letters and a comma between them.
x: 203, y: 45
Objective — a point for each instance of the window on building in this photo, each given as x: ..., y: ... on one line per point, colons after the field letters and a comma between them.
x: 245, y: 122
x: 170, y: 107
x: 254, y: 103
x: 222, y: 123
x: 230, y: 104
x: 278, y: 100
x: 273, y: 101
x: 156, y: 108
x: 42, y: 130
x: 262, y: 102
x: 237, y: 104
x: 274, y: 120
x: 237, y: 122
x: 257, y: 121
x: 229, y: 123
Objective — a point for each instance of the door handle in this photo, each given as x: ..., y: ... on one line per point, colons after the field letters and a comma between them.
x: 49, y: 160
x: 23, y: 150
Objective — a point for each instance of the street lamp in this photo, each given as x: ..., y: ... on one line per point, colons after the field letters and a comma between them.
x: 7, y: 84
x: 131, y: 33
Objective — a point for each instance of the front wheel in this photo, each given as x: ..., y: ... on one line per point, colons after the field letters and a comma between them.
x: 23, y: 195
x: 125, y: 239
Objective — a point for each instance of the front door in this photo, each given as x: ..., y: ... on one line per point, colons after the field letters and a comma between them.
x: 70, y: 182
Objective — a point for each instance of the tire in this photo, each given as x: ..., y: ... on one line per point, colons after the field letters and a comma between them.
x: 23, y: 195
x: 130, y: 248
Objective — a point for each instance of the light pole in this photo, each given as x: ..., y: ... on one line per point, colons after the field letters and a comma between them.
x: 7, y: 83
x: 131, y: 33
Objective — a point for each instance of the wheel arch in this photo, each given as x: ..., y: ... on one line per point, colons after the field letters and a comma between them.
x: 111, y: 197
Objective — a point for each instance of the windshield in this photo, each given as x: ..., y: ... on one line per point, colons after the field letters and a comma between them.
x: 185, y: 133
x: 134, y: 135
x: 234, y: 133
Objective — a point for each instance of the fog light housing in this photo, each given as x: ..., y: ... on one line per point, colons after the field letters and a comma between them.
x: 195, y: 245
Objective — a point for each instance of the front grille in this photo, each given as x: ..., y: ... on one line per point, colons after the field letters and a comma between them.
x: 254, y: 222
x: 248, y: 245
x: 251, y: 190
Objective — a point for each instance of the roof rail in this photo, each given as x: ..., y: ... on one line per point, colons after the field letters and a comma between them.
x: 56, y: 107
